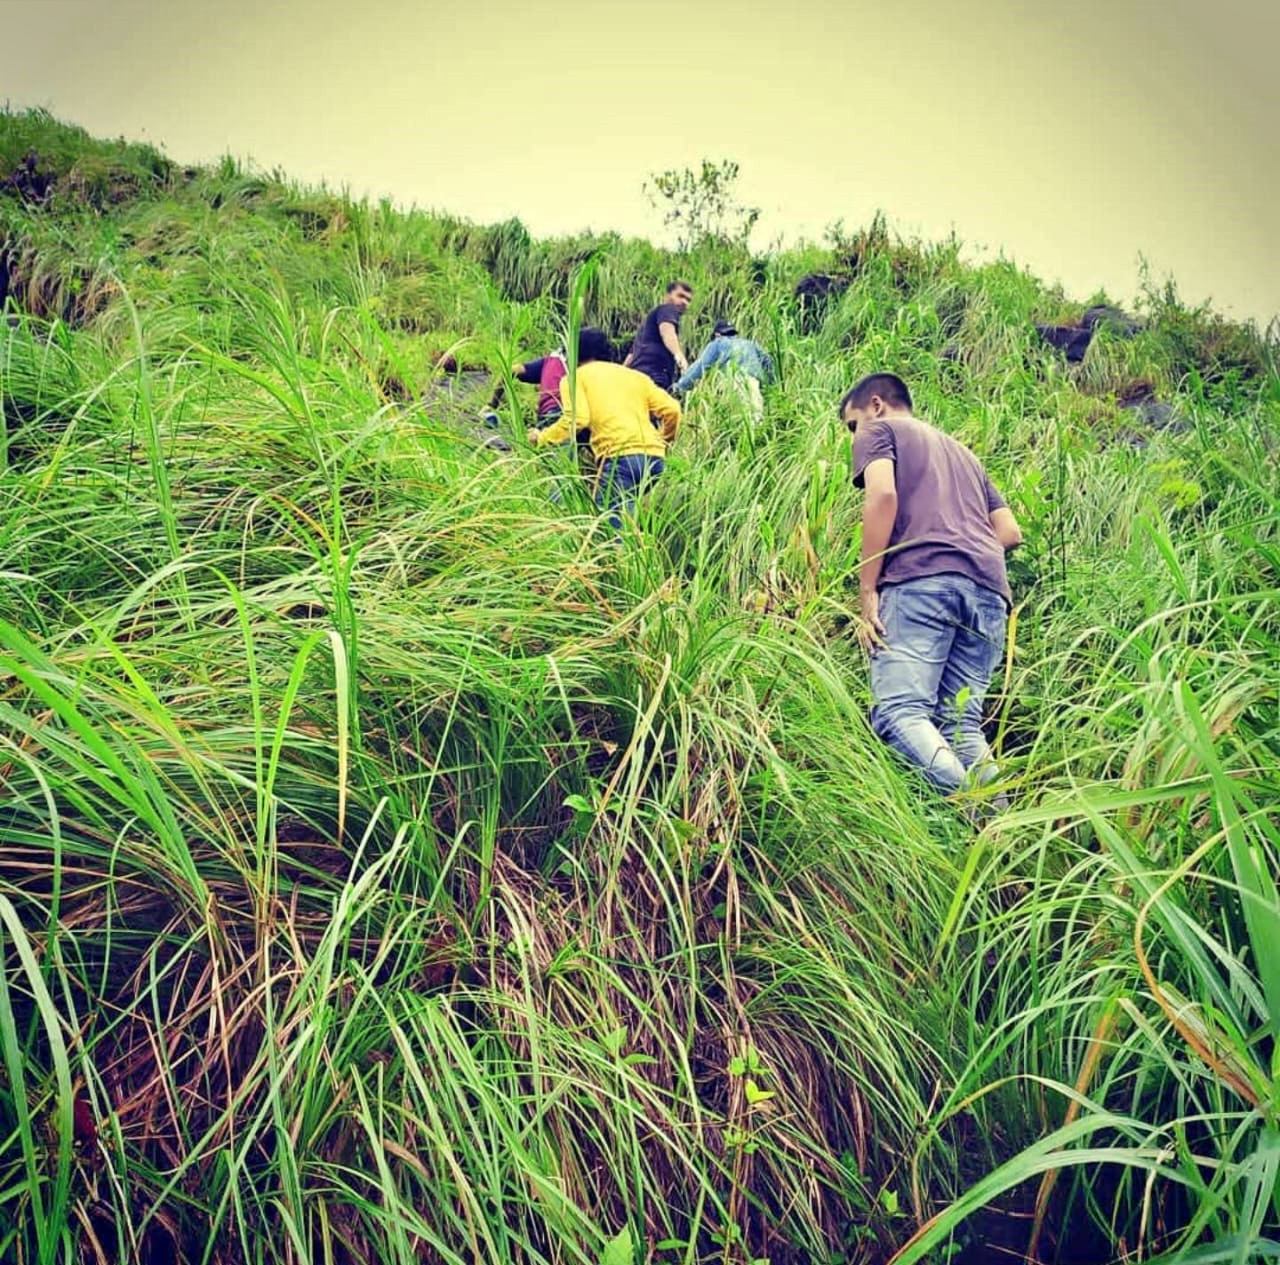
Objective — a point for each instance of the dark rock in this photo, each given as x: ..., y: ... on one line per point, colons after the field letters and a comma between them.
x: 1152, y: 415
x: 814, y: 294
x: 1069, y: 339
x: 1073, y: 340
x: 1159, y: 416
x: 818, y: 285
x: 1110, y: 318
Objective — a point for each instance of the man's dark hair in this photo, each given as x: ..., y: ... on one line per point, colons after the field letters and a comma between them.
x: 593, y: 344
x: 888, y: 386
x: 679, y: 285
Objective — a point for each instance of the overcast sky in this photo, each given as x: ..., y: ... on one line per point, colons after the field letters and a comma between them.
x: 1073, y: 135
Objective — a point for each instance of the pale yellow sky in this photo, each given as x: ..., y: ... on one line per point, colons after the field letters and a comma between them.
x: 1073, y: 135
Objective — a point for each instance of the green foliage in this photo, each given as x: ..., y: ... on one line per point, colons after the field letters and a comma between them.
x: 702, y: 206
x: 36, y: 148
x: 393, y: 866
x: 619, y: 1249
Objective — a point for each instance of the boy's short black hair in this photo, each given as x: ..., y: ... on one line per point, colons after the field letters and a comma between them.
x: 888, y: 386
x: 679, y: 285
x: 593, y: 344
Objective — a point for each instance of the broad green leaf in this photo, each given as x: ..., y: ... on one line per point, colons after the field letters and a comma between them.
x: 619, y: 1250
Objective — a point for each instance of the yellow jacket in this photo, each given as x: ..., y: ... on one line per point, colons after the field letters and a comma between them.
x: 614, y: 404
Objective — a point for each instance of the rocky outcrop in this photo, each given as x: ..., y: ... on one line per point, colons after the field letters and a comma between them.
x: 1073, y: 340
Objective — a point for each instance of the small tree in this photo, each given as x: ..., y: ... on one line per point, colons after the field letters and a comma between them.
x: 701, y: 205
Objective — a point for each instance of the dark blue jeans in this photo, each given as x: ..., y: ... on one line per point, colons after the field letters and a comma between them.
x: 945, y: 638
x: 620, y: 482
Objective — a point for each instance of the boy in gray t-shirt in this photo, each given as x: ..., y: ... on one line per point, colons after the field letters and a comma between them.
x: 933, y: 589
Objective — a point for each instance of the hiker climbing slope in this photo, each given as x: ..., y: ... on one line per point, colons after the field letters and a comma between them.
x: 656, y: 350
x: 546, y: 374
x: 932, y: 582
x: 748, y: 361
x: 615, y: 405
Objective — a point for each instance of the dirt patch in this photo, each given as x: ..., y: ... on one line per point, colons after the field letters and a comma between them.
x: 319, y: 219
x: 1139, y: 391
x: 72, y: 294
x: 393, y: 387
x: 95, y: 181
x: 99, y: 185
x: 30, y: 181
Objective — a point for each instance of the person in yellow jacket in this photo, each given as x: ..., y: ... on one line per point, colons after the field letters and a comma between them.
x: 616, y: 406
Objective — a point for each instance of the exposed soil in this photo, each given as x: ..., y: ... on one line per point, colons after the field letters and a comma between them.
x: 32, y: 183
x: 75, y: 295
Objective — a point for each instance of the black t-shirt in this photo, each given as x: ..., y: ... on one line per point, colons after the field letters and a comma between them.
x: 649, y: 353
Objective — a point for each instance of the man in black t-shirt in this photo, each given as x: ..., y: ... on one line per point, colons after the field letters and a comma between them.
x: 656, y: 350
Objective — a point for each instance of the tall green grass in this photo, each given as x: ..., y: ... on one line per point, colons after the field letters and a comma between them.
x: 395, y: 868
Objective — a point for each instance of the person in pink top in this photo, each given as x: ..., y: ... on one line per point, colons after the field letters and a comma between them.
x: 546, y: 373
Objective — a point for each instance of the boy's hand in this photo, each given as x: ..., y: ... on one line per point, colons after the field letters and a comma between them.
x: 871, y: 633
x: 532, y: 435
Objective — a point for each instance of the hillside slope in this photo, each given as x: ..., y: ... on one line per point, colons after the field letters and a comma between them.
x: 394, y: 869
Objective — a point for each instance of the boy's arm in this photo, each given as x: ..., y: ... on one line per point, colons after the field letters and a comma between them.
x: 1003, y: 523
x: 556, y: 433
x: 573, y: 417
x: 1006, y: 528
x: 671, y: 341
x: 666, y: 409
x: 879, y: 511
x: 694, y: 371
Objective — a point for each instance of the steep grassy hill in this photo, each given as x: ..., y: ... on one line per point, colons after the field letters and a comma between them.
x: 395, y: 869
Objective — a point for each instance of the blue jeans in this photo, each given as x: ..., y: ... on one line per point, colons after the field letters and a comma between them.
x: 945, y: 635
x: 620, y: 482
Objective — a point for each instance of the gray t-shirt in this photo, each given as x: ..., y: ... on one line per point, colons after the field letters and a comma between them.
x: 945, y: 503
